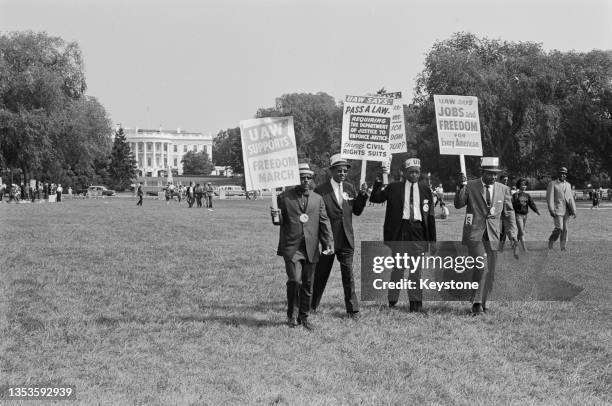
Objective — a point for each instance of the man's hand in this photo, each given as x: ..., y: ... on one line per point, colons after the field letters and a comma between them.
x: 364, y: 189
x: 552, y: 213
x: 573, y: 216
x: 328, y: 251
x: 462, y: 180
x: 274, y: 212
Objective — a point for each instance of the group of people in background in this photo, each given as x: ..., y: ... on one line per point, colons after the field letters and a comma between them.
x: 32, y: 192
x: 199, y: 194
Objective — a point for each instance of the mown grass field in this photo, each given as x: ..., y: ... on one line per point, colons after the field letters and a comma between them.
x: 168, y: 305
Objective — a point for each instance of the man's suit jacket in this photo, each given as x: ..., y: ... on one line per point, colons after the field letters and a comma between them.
x: 316, y: 229
x: 478, y: 217
x: 341, y: 217
x: 394, y: 195
x: 560, y: 198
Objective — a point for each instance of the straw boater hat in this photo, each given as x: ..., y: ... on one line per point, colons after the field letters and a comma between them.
x: 305, y: 169
x: 563, y: 169
x: 490, y: 164
x: 412, y: 163
x: 337, y: 160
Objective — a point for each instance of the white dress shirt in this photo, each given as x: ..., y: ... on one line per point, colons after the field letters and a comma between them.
x: 337, y: 191
x: 416, y: 201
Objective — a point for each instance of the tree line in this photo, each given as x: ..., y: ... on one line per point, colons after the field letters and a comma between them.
x: 538, y: 110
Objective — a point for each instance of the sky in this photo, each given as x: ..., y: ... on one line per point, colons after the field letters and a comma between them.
x: 204, y: 65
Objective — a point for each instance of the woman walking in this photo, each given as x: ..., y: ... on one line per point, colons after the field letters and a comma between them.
x: 521, y: 202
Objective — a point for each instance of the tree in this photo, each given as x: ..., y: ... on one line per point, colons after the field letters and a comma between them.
x: 42, y: 94
x: 538, y: 109
x: 122, y: 166
x: 196, y: 163
x: 227, y: 149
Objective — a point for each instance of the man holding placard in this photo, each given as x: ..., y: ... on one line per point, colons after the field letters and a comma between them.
x: 341, y: 202
x: 486, y: 201
x: 303, y: 223
x: 409, y: 217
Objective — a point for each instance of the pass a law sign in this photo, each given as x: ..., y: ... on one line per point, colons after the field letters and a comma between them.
x: 458, y: 125
x: 366, y: 124
x: 269, y: 153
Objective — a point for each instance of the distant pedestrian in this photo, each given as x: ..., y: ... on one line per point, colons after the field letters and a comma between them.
x: 2, y: 190
x: 199, y: 193
x: 209, y: 191
x: 140, y: 194
x: 58, y: 193
x: 561, y: 206
x: 595, y: 198
x: 190, y: 194
x: 522, y: 202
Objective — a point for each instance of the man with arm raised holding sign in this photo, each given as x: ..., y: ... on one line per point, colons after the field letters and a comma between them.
x: 409, y: 217
x: 303, y: 223
x: 486, y: 201
x: 341, y: 202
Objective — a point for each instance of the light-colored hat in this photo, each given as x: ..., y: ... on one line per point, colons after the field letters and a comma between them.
x: 412, y: 163
x: 563, y: 169
x: 337, y: 160
x: 490, y: 163
x: 305, y: 169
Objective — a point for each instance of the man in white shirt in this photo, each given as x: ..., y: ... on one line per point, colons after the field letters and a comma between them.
x: 409, y: 217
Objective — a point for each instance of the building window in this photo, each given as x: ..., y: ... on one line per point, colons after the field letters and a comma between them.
x: 195, y: 148
x: 184, y: 148
x: 175, y: 162
x: 165, y: 162
x: 175, y: 148
x: 140, y: 161
x: 149, y: 146
x: 205, y: 149
x: 149, y: 161
x: 165, y: 147
x: 140, y: 147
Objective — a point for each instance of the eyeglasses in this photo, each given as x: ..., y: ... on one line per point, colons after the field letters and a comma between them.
x: 305, y: 177
x: 342, y: 171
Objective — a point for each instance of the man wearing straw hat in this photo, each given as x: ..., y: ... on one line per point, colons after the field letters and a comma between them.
x: 561, y: 205
x: 486, y: 201
x: 409, y: 217
x: 303, y: 223
x: 341, y: 202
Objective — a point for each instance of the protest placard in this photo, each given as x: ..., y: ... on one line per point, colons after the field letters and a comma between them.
x: 458, y: 125
x: 269, y: 153
x: 397, y: 135
x: 366, y: 124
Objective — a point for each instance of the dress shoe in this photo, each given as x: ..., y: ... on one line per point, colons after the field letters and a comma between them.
x: 354, y: 316
x: 416, y: 306
x: 477, y: 309
x: 563, y: 249
x: 306, y: 324
x: 292, y: 322
x: 515, y: 251
x: 392, y: 303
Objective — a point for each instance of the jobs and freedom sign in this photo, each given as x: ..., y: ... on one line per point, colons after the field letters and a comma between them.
x: 269, y: 153
x: 366, y: 125
x: 458, y: 125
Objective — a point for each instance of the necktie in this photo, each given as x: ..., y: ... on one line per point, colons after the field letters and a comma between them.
x: 488, y: 195
x: 411, y: 201
x: 340, y: 194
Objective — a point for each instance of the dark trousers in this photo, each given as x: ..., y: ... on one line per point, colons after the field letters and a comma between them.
x: 323, y: 269
x: 412, y: 232
x: 486, y: 275
x: 199, y: 200
x: 209, y: 202
x: 300, y: 275
x: 139, y: 203
x: 58, y: 197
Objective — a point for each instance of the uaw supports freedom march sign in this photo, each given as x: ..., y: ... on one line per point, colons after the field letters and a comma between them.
x: 365, y: 128
x: 269, y: 153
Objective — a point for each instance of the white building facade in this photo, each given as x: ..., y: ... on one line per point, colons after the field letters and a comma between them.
x: 158, y: 151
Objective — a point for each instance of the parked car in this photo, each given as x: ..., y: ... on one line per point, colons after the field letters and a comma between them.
x: 100, y: 191
x: 230, y: 190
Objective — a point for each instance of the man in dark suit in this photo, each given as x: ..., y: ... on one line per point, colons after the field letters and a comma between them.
x: 409, y: 217
x: 303, y: 224
x: 486, y: 201
x: 341, y: 202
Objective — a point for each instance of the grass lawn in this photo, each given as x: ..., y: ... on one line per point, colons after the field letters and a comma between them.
x: 168, y: 305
